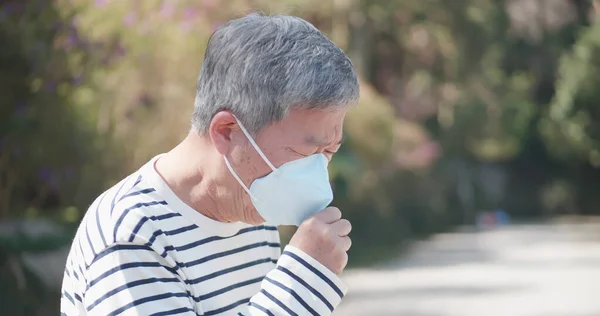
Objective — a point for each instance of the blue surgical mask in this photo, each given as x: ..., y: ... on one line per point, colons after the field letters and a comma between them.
x: 291, y: 193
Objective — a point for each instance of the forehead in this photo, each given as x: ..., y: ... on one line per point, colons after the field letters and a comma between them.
x: 312, y: 126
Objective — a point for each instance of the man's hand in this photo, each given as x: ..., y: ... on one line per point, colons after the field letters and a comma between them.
x: 325, y: 238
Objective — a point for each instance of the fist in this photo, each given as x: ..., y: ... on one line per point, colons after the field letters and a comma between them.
x: 325, y: 238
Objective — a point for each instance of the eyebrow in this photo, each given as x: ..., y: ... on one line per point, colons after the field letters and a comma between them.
x: 314, y: 141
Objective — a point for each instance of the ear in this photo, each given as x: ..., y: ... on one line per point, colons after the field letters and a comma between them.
x: 220, y: 131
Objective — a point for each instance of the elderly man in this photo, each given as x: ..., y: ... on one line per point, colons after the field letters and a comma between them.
x: 193, y: 232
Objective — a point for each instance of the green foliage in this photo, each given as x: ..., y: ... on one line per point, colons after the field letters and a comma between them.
x: 570, y: 125
x: 47, y: 141
x: 91, y: 90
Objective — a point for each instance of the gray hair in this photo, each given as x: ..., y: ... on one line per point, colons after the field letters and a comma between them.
x: 259, y: 67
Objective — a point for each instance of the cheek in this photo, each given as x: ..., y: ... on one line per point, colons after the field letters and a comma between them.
x: 244, y: 163
x: 254, y: 166
x: 282, y: 156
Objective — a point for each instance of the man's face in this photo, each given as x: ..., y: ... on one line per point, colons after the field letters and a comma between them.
x: 300, y: 134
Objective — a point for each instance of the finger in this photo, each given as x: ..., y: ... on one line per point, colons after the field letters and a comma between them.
x: 345, y: 243
x: 341, y: 228
x: 329, y: 215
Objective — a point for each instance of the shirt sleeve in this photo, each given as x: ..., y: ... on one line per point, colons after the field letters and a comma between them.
x: 131, y: 279
x: 299, y: 285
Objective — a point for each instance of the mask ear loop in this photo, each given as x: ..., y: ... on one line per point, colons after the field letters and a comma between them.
x: 260, y: 153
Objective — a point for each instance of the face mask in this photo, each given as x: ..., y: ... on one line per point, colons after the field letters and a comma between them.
x: 291, y: 193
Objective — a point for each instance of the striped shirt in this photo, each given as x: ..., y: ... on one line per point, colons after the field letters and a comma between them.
x: 140, y: 250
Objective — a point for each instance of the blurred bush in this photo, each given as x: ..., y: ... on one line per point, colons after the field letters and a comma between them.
x: 52, y: 146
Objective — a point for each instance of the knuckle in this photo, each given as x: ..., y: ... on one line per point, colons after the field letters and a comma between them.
x: 310, y: 221
x: 316, y: 231
x: 334, y: 211
x: 309, y: 224
x: 349, y: 243
x: 347, y: 225
x: 328, y: 230
x: 343, y: 243
x: 322, y: 228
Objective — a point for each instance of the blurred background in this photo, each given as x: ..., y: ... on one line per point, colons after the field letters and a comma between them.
x: 471, y: 169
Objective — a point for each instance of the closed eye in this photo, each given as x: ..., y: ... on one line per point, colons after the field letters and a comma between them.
x: 296, y: 152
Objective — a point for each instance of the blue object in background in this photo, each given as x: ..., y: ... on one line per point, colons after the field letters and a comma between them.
x: 502, y: 218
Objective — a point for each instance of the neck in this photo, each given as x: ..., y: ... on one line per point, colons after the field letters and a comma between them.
x: 190, y: 171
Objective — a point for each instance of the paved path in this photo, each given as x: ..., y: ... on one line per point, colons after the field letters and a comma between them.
x: 525, y: 270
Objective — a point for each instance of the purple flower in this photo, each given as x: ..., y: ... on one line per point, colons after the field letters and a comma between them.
x: 44, y: 174
x: 77, y: 80
x: 167, y: 9
x: 120, y: 50
x: 130, y: 19
x: 72, y: 40
x: 47, y: 177
x: 50, y: 86
x: 190, y: 13
x: 57, y: 26
x: 101, y: 3
x: 10, y: 7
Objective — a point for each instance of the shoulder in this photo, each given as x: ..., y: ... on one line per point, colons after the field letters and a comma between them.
x: 132, y: 211
x: 141, y: 215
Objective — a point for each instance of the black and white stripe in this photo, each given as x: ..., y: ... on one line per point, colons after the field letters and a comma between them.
x: 140, y: 251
